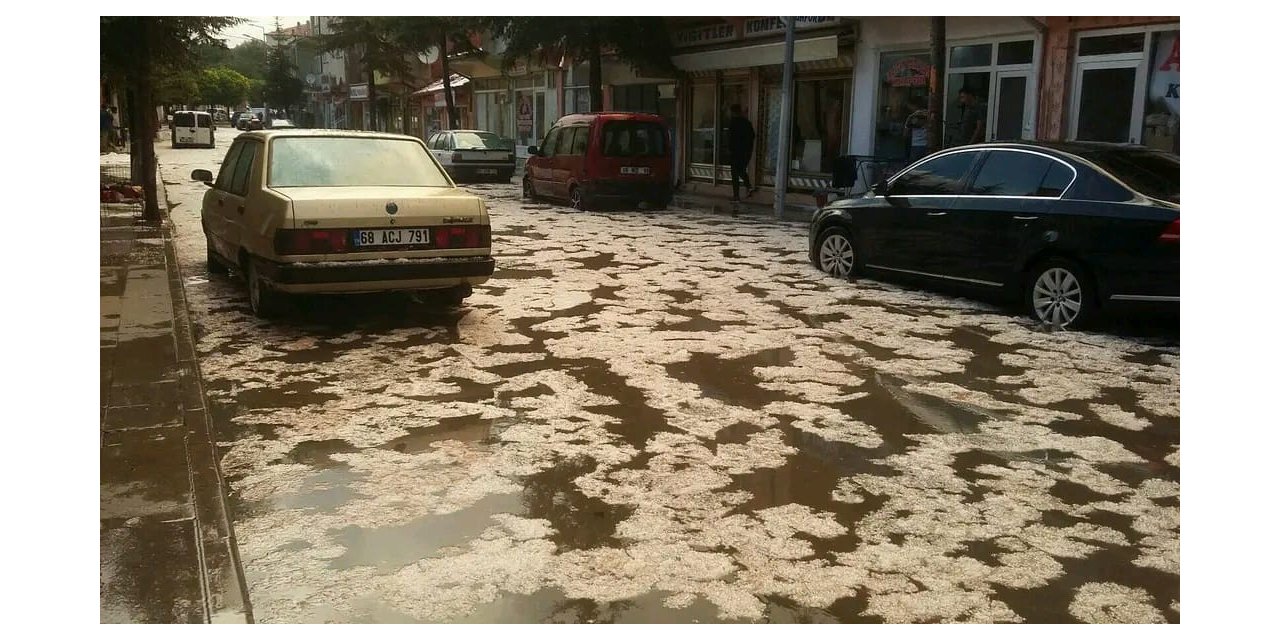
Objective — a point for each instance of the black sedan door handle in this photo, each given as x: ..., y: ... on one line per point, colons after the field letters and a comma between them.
x: 936, y: 213
x: 1026, y: 218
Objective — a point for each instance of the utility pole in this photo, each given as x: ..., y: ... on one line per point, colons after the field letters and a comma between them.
x: 784, y: 122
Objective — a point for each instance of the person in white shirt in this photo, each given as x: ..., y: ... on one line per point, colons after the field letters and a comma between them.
x: 917, y: 128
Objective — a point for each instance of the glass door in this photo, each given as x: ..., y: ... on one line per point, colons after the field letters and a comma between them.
x: 1106, y: 99
x: 1012, y: 107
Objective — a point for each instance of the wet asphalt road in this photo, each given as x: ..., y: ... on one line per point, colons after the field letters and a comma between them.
x: 672, y: 416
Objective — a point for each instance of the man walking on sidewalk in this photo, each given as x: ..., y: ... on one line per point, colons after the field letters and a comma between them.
x: 742, y: 138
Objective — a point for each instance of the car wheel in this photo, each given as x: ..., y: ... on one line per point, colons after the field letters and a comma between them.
x: 576, y: 199
x: 212, y: 262
x: 1060, y: 293
x: 836, y: 254
x: 527, y: 186
x: 263, y: 300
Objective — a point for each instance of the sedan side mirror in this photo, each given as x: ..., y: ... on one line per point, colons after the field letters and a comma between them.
x: 880, y: 188
x: 533, y: 151
x: 203, y: 175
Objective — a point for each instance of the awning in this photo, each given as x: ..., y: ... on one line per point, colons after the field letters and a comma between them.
x: 455, y: 80
x: 758, y: 55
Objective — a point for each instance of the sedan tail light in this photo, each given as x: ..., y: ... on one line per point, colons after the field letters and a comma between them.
x: 1170, y: 233
x: 457, y: 156
x: 310, y: 241
x: 469, y: 236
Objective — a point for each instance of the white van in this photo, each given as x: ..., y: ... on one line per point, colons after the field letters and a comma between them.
x: 192, y: 129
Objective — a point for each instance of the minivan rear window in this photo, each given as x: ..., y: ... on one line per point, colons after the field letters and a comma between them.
x: 632, y: 139
x: 184, y: 120
x: 204, y: 120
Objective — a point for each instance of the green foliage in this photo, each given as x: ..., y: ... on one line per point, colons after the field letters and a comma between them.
x: 641, y: 41
x: 249, y: 58
x: 176, y: 85
x: 282, y: 87
x: 373, y: 41
x: 126, y: 42
x: 223, y: 86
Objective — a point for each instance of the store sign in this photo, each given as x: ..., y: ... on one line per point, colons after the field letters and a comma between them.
x: 1165, y: 84
x: 359, y: 92
x: 519, y: 68
x: 908, y: 72
x: 722, y: 32
x: 771, y: 24
x: 524, y: 115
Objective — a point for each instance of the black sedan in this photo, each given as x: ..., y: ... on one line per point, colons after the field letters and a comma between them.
x: 1068, y: 227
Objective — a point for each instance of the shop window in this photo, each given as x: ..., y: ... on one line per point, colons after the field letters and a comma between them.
x: 1160, y: 124
x: 1119, y: 43
x: 973, y: 55
x: 640, y: 98
x: 577, y: 100
x: 1020, y: 52
x: 904, y: 88
x: 819, y: 126
x: 703, y: 124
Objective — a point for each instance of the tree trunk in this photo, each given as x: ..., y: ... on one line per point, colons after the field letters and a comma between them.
x: 937, y: 75
x: 373, y: 99
x: 449, y: 105
x: 147, y: 131
x: 596, y: 75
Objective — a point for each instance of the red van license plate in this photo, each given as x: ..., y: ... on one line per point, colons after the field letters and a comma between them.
x: 635, y: 171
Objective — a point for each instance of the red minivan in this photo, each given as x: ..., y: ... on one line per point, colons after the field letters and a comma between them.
x: 594, y: 158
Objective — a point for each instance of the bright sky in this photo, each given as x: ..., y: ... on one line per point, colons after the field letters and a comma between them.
x: 254, y: 26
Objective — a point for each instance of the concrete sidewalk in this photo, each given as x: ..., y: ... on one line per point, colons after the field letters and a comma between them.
x: 167, y: 551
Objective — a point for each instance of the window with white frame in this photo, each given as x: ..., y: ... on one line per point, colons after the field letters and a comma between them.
x: 1125, y: 86
x: 998, y: 79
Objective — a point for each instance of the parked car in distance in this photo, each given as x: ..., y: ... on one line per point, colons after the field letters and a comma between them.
x: 248, y: 122
x: 330, y: 212
x: 594, y: 158
x: 282, y: 124
x: 1068, y: 228
x: 192, y: 129
x: 472, y: 155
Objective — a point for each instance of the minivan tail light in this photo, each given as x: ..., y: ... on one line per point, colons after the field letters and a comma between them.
x: 1170, y: 233
x: 310, y: 241
x: 468, y: 236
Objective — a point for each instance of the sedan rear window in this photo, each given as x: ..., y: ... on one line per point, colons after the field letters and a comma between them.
x: 626, y: 139
x: 351, y: 162
x: 1151, y: 173
x: 478, y: 140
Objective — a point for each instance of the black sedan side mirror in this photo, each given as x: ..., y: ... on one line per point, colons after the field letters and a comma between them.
x: 533, y: 151
x: 203, y: 175
x: 880, y: 188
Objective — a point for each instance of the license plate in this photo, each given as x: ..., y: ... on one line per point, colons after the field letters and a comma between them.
x: 488, y: 172
x: 635, y: 171
x: 392, y: 237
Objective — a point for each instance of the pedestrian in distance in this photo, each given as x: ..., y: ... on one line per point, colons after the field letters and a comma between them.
x: 742, y: 139
x: 917, y: 129
x: 973, y: 122
x: 106, y: 123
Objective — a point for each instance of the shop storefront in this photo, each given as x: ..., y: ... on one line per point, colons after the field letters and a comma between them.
x: 738, y: 62
x: 1126, y: 86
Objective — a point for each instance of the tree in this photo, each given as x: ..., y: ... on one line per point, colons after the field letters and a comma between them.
x: 641, y: 42
x: 373, y: 41
x: 418, y: 34
x: 176, y: 85
x: 249, y: 59
x: 131, y: 47
x: 282, y: 88
x: 223, y: 86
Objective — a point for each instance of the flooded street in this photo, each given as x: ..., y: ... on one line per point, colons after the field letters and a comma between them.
x: 671, y: 416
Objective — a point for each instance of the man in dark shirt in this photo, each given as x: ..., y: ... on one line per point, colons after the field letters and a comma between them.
x: 973, y: 122
x: 742, y: 138
x: 106, y: 122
